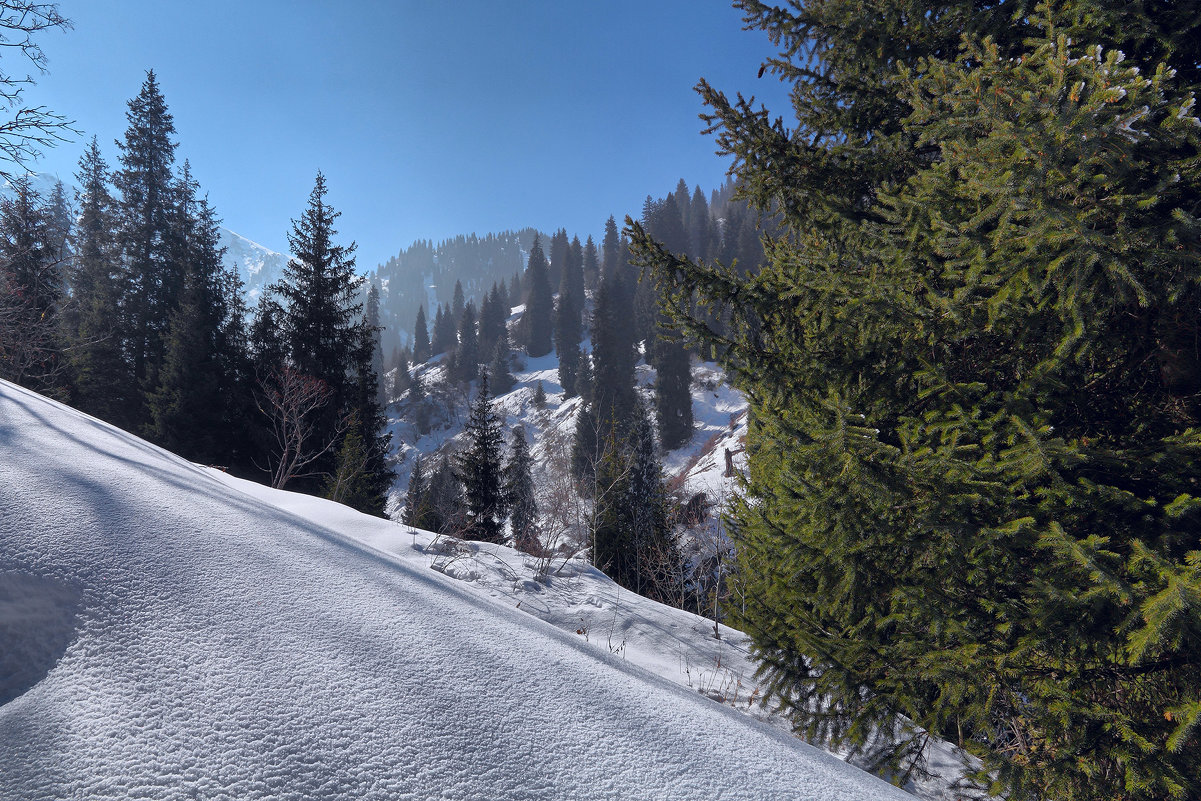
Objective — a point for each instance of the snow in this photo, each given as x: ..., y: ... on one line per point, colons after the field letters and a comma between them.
x: 191, y: 635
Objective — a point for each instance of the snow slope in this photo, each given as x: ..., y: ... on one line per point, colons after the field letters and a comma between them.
x: 183, y: 634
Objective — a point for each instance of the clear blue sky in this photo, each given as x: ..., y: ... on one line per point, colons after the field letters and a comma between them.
x: 429, y: 119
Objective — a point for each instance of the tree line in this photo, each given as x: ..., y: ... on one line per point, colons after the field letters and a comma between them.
x: 117, y: 302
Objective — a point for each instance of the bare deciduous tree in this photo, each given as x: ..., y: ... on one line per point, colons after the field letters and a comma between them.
x: 292, y: 401
x: 26, y: 130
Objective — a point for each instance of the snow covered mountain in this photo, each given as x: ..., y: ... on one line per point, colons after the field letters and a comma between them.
x: 257, y: 265
x: 167, y: 631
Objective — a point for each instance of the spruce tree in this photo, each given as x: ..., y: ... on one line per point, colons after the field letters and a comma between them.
x: 187, y: 407
x: 974, y: 448
x: 479, y: 468
x: 458, y: 303
x: 539, y: 396
x: 539, y: 308
x: 499, y: 368
x: 610, y: 249
x: 417, y: 501
x: 493, y: 315
x: 519, y: 495
x: 591, y: 265
x: 448, y: 512
x: 102, y: 380
x: 567, y: 342
x: 145, y: 183
x: 445, y: 328
x: 673, y: 395
x: 467, y: 354
x: 559, y: 248
x: 421, y: 338
x: 31, y: 293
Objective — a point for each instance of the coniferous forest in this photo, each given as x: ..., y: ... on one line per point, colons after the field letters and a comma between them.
x: 957, y: 282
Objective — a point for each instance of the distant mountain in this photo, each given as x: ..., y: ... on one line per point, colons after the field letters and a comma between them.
x: 258, y: 266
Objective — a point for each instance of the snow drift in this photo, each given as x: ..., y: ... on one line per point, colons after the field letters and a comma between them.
x: 164, y: 634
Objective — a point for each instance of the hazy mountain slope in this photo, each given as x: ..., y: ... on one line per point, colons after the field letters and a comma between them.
x: 214, y: 645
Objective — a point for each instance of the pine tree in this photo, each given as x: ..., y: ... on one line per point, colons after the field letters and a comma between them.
x: 458, y: 303
x: 974, y: 448
x: 31, y: 293
x: 187, y: 408
x: 558, y: 257
x: 567, y: 342
x: 700, y: 230
x: 479, y: 468
x: 539, y: 396
x: 417, y: 510
x: 499, y: 368
x: 445, y: 328
x: 448, y: 513
x: 145, y: 183
x: 421, y: 338
x: 371, y: 321
x: 591, y: 265
x: 323, y: 330
x: 610, y: 249
x: 102, y: 379
x: 519, y: 495
x: 573, y: 274
x: 673, y: 394
x: 493, y: 315
x: 539, y: 307
x: 467, y: 355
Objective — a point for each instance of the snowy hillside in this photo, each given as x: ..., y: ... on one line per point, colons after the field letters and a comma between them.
x: 169, y: 632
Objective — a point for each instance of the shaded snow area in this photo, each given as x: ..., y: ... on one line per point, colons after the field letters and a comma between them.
x: 183, y: 634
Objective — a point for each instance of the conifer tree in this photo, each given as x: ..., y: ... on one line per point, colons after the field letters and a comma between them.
x: 591, y: 265
x: 145, y: 183
x: 499, y: 368
x: 101, y: 377
x: 467, y: 354
x: 371, y: 321
x: 610, y: 249
x: 447, y: 513
x: 558, y: 257
x: 445, y: 331
x: 458, y: 303
x: 519, y: 495
x: 539, y: 308
x: 539, y: 396
x: 31, y: 293
x: 188, y: 409
x: 421, y: 338
x: 479, y: 468
x: 493, y: 315
x: 673, y: 394
x: 567, y: 341
x: 573, y: 274
x: 974, y: 441
x: 417, y: 512
x: 700, y: 231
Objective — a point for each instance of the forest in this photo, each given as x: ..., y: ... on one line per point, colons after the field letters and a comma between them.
x: 958, y: 283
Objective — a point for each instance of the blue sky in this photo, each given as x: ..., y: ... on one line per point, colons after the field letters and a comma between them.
x: 429, y: 119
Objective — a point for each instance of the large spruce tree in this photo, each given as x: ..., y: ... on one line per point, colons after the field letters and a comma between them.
x: 974, y: 451
x: 154, y: 279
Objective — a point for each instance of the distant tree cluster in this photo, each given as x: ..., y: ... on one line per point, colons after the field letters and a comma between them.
x: 118, y: 302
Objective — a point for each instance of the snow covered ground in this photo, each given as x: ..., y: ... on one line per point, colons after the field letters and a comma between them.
x: 181, y: 634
